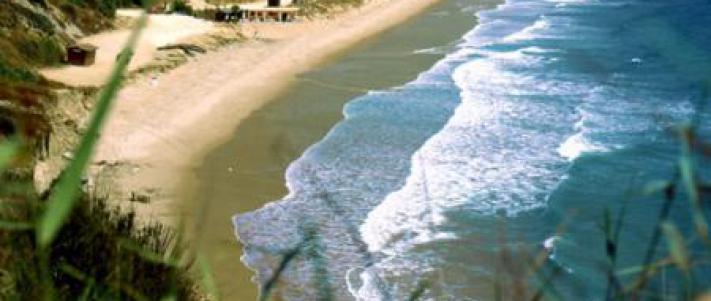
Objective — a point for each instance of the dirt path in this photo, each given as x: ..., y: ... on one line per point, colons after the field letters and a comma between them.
x: 161, y: 30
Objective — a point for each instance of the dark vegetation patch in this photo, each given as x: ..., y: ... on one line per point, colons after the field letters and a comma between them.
x: 104, y: 7
x: 100, y: 254
x: 181, y: 6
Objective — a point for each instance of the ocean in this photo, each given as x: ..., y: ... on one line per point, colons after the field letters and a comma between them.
x: 541, y: 119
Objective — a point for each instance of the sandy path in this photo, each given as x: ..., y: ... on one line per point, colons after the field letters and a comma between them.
x: 200, y: 4
x: 160, y: 30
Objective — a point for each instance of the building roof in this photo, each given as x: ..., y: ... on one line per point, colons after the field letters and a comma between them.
x: 263, y: 6
x: 84, y: 46
x: 268, y: 9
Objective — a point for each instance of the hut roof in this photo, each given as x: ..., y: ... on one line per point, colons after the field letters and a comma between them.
x: 84, y: 46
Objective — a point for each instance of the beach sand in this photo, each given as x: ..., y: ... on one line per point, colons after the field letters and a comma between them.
x: 162, y: 128
x: 160, y: 30
x: 248, y: 171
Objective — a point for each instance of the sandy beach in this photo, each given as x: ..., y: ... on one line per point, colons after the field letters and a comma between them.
x: 161, y: 30
x: 248, y: 172
x: 162, y: 127
x: 353, y: 150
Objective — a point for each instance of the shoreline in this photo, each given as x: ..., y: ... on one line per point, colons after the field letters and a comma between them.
x: 160, y: 133
x: 248, y: 172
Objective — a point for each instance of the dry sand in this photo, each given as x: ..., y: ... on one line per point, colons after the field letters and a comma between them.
x: 163, y: 127
x: 161, y: 30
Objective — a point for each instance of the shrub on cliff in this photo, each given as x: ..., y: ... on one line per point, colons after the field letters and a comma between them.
x: 100, y: 253
x: 180, y: 6
x: 69, y: 245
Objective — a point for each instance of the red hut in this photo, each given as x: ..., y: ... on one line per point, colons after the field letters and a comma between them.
x: 81, y: 54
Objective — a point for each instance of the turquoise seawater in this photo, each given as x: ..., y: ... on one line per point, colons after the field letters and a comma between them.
x: 543, y: 117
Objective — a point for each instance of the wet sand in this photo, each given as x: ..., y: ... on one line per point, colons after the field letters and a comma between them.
x: 160, y: 128
x: 248, y: 171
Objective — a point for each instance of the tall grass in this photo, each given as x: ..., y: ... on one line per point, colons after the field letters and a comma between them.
x: 63, y: 196
x: 100, y: 253
x: 69, y: 245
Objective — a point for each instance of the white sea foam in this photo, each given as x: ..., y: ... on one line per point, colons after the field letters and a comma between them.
x: 501, y: 152
x: 433, y: 50
x: 529, y: 32
x: 577, y: 145
x: 524, y: 111
x: 496, y: 154
x: 549, y: 243
x: 569, y: 1
x: 484, y: 159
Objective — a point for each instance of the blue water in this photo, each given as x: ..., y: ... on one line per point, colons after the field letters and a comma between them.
x: 544, y: 116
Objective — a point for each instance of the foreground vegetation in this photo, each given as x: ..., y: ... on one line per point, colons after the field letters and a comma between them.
x: 69, y: 244
x: 100, y: 253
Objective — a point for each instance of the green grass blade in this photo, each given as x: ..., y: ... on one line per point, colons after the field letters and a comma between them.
x: 81, y: 276
x: 7, y: 152
x: 629, y: 271
x: 419, y: 291
x: 63, y: 197
x: 677, y: 247
x: 87, y: 292
x: 688, y: 178
x: 268, y: 286
x: 148, y: 254
x: 208, y: 281
x: 640, y: 268
x: 655, y: 187
x: 16, y: 226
